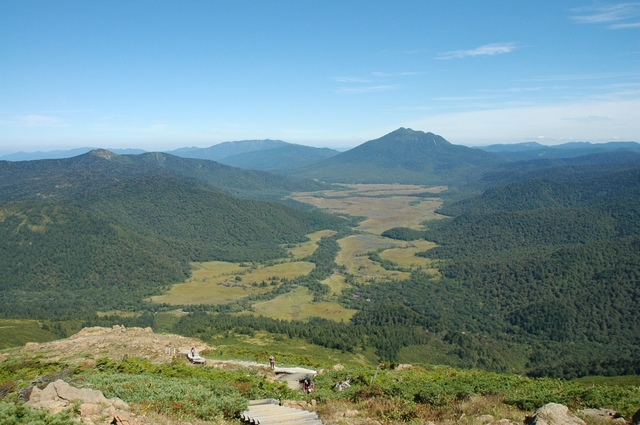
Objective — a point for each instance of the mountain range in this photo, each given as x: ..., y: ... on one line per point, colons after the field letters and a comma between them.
x: 282, y: 157
x: 57, y: 178
x: 247, y: 154
x: 534, y: 150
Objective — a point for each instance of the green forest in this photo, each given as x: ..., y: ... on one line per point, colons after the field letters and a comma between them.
x: 538, y: 264
x: 113, y: 237
x: 556, y: 263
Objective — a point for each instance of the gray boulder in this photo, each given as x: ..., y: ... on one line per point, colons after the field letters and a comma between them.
x: 553, y: 414
x: 58, y: 396
x: 605, y: 414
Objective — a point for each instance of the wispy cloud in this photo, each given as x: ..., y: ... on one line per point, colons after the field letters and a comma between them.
x: 589, y: 119
x: 580, y: 120
x: 351, y: 80
x: 624, y: 26
x: 607, y: 14
x: 485, y: 50
x: 368, y: 89
x: 577, y: 77
x: 34, y: 120
x: 395, y: 74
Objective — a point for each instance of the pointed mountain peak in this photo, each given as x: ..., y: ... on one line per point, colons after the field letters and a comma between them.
x: 407, y: 135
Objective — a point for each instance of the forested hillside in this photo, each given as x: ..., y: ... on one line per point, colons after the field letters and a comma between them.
x: 103, y: 232
x: 64, y: 178
x: 533, y: 150
x: 280, y: 158
x: 402, y: 156
x: 538, y: 260
x: 61, y: 261
x: 558, y: 170
x: 201, y: 223
x: 227, y: 149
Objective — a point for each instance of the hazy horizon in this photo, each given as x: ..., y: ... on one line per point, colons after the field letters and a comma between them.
x: 340, y: 149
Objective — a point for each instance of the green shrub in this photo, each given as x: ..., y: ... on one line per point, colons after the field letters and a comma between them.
x: 19, y: 414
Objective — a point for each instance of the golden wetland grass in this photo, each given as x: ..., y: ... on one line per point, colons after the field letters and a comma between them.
x: 305, y: 249
x: 211, y: 286
x: 384, y: 205
x: 298, y: 305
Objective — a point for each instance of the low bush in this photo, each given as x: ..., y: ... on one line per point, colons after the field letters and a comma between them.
x: 19, y: 414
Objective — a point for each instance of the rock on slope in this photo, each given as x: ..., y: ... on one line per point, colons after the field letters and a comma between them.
x: 115, y: 343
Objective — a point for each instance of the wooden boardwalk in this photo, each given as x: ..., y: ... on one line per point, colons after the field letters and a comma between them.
x: 269, y: 412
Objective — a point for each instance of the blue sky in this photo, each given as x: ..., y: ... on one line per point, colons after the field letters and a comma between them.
x: 160, y: 75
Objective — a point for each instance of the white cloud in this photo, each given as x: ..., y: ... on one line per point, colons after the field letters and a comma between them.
x: 586, y: 120
x: 485, y: 50
x: 607, y: 14
x: 625, y: 26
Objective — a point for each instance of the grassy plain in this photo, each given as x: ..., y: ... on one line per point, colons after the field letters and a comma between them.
x: 405, y: 255
x: 353, y: 255
x: 211, y: 284
x: 17, y: 332
x: 305, y: 249
x: 336, y: 282
x: 298, y: 305
x: 384, y: 205
x: 288, y: 351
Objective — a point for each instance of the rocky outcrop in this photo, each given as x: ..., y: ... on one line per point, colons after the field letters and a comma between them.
x: 92, y: 406
x: 603, y: 414
x: 553, y: 414
x: 115, y: 342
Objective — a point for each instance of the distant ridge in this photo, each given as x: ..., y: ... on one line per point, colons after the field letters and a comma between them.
x: 59, y: 178
x: 282, y: 157
x: 534, y: 150
x: 226, y: 149
x: 402, y: 156
x: 59, y: 154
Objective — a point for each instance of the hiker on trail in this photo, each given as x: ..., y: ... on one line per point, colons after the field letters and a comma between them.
x: 272, y: 362
x: 307, y: 385
x: 193, y: 352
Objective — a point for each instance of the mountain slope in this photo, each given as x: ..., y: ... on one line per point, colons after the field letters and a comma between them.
x: 226, y: 149
x: 61, y: 261
x: 116, y: 244
x: 284, y: 157
x: 60, y: 178
x: 559, y: 170
x: 33, y: 156
x: 200, y: 223
x: 403, y: 156
x: 554, y: 264
x: 533, y: 150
